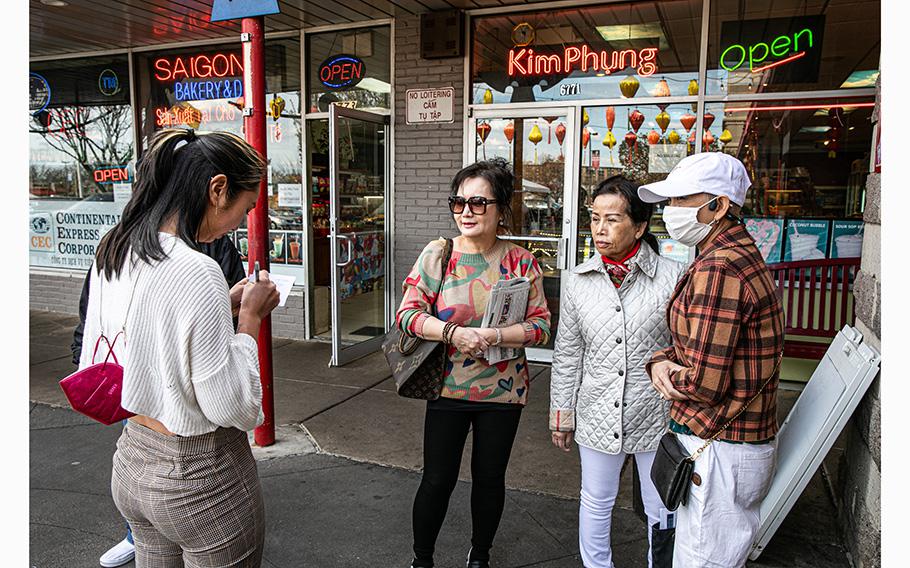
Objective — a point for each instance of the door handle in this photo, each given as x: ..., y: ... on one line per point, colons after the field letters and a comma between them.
x: 350, y: 251
x: 562, y: 258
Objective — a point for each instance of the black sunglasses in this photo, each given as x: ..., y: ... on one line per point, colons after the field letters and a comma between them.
x: 477, y: 204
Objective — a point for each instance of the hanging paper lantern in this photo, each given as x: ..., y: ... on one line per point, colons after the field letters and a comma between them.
x: 693, y: 88
x: 585, y: 118
x: 550, y: 120
x: 673, y: 137
x: 687, y: 120
x: 691, y: 138
x: 653, y: 137
x: 560, y: 132
x: 708, y: 139
x: 535, y: 136
x: 636, y: 119
x: 276, y: 107
x: 610, y: 115
x: 630, y: 138
x: 483, y: 130
x: 585, y: 137
x: 726, y: 136
x: 487, y: 96
x: 609, y: 141
x: 708, y: 120
x: 629, y: 86
x: 662, y: 90
x: 509, y: 131
x: 662, y: 120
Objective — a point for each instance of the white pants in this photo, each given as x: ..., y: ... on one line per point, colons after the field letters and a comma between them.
x: 599, y: 486
x: 718, y: 525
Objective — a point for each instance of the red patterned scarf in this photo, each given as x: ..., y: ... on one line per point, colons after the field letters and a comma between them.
x: 618, y: 270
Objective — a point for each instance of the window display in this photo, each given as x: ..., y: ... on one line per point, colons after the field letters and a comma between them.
x: 80, y: 157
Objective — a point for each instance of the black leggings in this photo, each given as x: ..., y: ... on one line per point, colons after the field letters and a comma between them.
x: 444, y: 437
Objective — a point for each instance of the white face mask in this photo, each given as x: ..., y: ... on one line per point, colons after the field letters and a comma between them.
x: 683, y: 224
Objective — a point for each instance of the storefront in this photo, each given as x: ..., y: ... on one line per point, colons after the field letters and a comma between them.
x: 569, y: 94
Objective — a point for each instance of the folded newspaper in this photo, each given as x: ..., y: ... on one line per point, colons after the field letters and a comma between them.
x: 507, y: 306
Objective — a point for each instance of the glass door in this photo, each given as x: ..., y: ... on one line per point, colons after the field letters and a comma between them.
x: 358, y: 247
x: 539, y: 144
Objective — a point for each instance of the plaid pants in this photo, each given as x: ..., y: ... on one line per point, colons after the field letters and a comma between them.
x: 191, y: 501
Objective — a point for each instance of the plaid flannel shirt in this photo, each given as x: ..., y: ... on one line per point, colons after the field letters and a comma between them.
x: 727, y: 326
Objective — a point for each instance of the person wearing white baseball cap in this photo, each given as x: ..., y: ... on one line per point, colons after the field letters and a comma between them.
x: 722, y: 371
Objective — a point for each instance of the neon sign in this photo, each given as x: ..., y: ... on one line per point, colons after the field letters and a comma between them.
x: 524, y: 62
x: 190, y: 116
x: 758, y: 52
x: 110, y: 174
x: 207, y: 89
x: 342, y: 71
x: 198, y: 67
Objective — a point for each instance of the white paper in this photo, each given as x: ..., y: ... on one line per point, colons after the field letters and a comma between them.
x: 284, y: 284
x: 122, y: 192
x: 662, y: 157
x: 290, y: 195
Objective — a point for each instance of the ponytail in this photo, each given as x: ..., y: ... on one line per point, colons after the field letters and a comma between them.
x: 172, y: 181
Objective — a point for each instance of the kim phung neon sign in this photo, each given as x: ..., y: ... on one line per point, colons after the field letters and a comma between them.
x: 524, y: 62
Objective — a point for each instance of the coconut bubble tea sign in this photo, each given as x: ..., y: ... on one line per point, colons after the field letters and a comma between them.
x: 807, y: 239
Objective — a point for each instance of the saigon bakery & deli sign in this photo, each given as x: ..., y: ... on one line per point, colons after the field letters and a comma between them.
x: 525, y: 62
x: 202, y: 77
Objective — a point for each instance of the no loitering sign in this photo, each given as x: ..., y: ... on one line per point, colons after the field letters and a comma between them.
x: 430, y: 105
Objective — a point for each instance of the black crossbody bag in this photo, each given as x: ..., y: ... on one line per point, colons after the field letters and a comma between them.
x: 673, y: 467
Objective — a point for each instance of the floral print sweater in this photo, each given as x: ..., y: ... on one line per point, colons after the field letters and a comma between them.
x: 470, y: 278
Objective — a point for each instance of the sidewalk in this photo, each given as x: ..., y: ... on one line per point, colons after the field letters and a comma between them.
x: 340, y: 481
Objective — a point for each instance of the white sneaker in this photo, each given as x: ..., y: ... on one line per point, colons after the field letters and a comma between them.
x: 120, y: 554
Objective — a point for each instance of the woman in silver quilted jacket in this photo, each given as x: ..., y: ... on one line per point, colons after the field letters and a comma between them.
x: 613, y: 316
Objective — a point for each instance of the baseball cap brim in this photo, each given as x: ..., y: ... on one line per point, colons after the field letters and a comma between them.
x: 665, y: 189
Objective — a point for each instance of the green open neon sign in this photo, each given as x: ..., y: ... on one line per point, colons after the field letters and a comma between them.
x: 781, y: 45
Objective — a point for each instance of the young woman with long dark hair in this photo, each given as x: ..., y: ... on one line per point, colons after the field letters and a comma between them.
x: 183, y: 474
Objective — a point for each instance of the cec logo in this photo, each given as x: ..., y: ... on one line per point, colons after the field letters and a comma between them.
x: 41, y: 239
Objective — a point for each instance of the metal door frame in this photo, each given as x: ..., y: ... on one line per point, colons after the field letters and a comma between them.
x: 567, y: 244
x: 341, y: 355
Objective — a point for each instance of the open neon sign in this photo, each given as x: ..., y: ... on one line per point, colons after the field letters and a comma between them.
x: 758, y: 52
x: 111, y: 174
x: 526, y: 63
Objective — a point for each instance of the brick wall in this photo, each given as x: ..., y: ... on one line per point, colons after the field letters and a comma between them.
x: 55, y: 291
x: 426, y: 156
x: 860, y: 466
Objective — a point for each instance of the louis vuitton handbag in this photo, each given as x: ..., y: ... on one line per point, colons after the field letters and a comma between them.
x: 674, y: 467
x: 418, y: 365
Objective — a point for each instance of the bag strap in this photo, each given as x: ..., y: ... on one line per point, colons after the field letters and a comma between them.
x: 446, y: 258
x: 742, y: 409
x: 110, y: 348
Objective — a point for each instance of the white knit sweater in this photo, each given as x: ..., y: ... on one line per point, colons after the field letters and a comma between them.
x: 183, y: 364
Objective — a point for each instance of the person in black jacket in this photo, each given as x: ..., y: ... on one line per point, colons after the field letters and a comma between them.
x: 225, y: 253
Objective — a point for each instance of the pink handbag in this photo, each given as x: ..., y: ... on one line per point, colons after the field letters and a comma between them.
x: 95, y: 390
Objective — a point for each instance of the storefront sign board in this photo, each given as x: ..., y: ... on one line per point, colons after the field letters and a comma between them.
x: 237, y: 9
x: 663, y: 157
x: 768, y: 235
x: 430, y: 105
x: 807, y: 239
x: 290, y: 195
x: 846, y: 239
x: 65, y: 234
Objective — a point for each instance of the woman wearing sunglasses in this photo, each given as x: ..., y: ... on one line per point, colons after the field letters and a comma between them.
x: 484, y: 398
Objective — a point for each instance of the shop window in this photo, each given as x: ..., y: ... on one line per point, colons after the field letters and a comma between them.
x: 202, y: 88
x: 80, y: 157
x: 350, y: 67
x: 619, y: 50
x: 642, y: 143
x: 799, y: 45
x: 808, y: 161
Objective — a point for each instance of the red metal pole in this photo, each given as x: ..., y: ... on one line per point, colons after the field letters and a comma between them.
x: 257, y: 220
